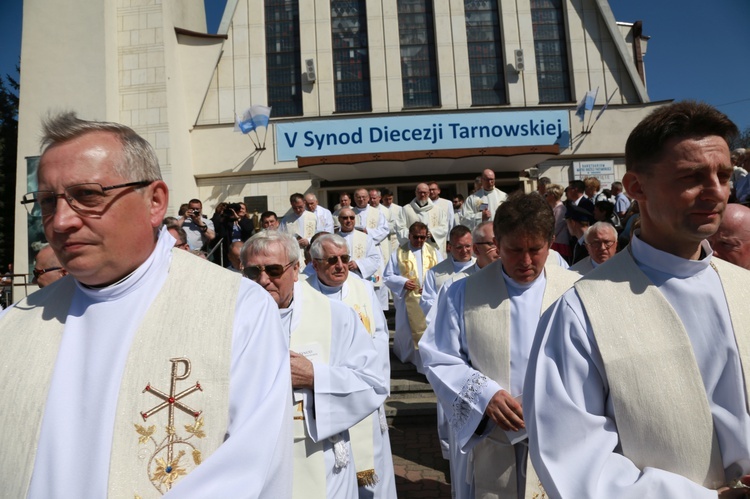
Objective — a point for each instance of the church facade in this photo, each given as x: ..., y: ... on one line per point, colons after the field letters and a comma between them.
x: 374, y: 93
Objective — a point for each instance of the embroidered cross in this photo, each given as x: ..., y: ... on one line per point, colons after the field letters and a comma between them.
x: 173, y: 400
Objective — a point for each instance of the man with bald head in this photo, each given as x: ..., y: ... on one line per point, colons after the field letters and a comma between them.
x: 732, y: 241
x: 366, y: 260
x: 481, y: 206
x: 601, y: 242
x: 325, y: 219
x: 48, y: 268
x: 422, y: 209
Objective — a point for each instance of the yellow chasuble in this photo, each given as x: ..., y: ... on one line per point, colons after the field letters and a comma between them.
x: 407, y: 267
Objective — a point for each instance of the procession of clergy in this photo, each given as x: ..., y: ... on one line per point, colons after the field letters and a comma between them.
x: 627, y: 382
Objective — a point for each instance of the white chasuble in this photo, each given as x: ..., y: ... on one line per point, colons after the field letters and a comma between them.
x: 407, y: 266
x: 487, y: 322
x: 659, y: 421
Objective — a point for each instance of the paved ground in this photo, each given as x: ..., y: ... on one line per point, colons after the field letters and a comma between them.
x: 421, y: 471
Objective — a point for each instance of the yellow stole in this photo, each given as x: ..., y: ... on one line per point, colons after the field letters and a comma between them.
x: 407, y: 267
x: 663, y: 417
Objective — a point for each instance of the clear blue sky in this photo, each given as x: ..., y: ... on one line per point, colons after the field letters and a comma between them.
x: 698, y: 50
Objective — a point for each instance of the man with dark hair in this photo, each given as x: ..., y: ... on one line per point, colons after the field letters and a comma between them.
x: 649, y: 397
x: 575, y: 196
x: 541, y: 185
x: 269, y: 220
x: 199, y: 229
x: 180, y: 236
x: 458, y: 202
x: 578, y: 221
x: 144, y: 368
x: 475, y: 350
x: 299, y: 223
x: 393, y: 221
x: 404, y: 275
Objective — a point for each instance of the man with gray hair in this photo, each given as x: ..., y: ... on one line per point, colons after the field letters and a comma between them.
x: 104, y: 349
x: 325, y: 219
x: 601, y: 241
x: 370, y: 441
x: 337, y: 379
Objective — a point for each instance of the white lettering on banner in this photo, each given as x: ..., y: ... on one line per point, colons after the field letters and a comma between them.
x: 421, y: 132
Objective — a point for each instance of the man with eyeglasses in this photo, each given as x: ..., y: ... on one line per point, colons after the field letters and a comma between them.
x: 404, y: 275
x: 365, y: 260
x: 601, y: 243
x: 476, y: 345
x: 108, y: 374
x: 180, y: 236
x: 336, y: 372
x: 370, y: 441
x: 482, y: 204
x: 459, y: 259
x: 47, y: 268
x: 299, y: 223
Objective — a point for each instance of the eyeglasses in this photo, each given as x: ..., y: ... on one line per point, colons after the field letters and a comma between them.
x: 39, y: 272
x: 485, y: 243
x: 273, y: 271
x: 333, y: 260
x: 346, y: 218
x: 418, y: 237
x: 84, y: 199
x: 606, y: 244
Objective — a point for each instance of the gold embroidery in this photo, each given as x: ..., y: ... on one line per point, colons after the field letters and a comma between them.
x: 363, y: 317
x: 163, y: 471
x: 299, y: 413
x: 366, y: 478
x: 542, y: 494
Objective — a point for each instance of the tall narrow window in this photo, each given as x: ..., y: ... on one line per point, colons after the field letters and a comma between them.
x: 351, y: 62
x: 283, y: 64
x: 418, y: 63
x: 551, y: 51
x: 485, y: 53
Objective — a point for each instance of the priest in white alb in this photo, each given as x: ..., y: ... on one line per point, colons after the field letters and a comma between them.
x: 482, y: 204
x: 459, y: 261
x: 477, y: 345
x: 649, y: 398
x: 370, y: 442
x: 404, y: 276
x: 300, y: 223
x: 366, y: 260
x: 337, y: 373
x: 118, y: 382
x: 422, y: 209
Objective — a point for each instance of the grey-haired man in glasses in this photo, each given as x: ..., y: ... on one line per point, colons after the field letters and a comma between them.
x: 107, y: 373
x: 47, y: 268
x: 337, y: 374
x: 365, y: 255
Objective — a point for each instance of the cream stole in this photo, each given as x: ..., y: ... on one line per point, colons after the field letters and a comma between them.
x: 205, y: 340
x: 309, y: 227
x: 445, y: 271
x: 361, y: 434
x: 663, y: 417
x: 359, y: 244
x: 486, y: 302
x: 371, y: 222
x: 313, y: 330
x: 407, y: 267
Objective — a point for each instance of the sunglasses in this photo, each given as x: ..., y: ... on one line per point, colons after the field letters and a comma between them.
x: 347, y: 218
x: 38, y: 272
x: 275, y: 270
x: 333, y: 260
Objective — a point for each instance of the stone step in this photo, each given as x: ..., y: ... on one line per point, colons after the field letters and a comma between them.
x: 412, y: 410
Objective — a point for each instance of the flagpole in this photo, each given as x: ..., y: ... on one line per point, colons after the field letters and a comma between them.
x: 588, y: 128
x: 604, y: 108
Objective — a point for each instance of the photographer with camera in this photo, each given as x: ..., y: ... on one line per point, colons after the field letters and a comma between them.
x: 233, y: 226
x: 199, y: 229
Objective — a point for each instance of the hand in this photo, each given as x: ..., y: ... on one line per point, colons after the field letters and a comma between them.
x: 486, y: 215
x: 352, y: 265
x: 410, y: 285
x: 729, y: 493
x: 303, y: 243
x: 302, y: 371
x: 505, y: 411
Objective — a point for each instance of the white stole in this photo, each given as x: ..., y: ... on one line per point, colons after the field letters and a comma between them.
x: 134, y: 463
x: 313, y: 331
x: 663, y: 417
x: 486, y: 302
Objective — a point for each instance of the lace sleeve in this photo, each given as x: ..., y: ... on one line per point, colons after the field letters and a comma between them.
x: 463, y: 403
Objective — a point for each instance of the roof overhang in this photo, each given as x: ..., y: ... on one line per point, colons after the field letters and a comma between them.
x: 427, y: 163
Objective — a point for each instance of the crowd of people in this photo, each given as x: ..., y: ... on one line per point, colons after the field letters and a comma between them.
x: 582, y: 342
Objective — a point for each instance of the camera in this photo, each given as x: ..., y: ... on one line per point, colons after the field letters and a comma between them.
x: 231, y: 211
x: 195, y: 212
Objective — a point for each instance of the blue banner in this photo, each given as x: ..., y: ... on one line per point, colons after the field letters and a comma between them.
x: 421, y: 132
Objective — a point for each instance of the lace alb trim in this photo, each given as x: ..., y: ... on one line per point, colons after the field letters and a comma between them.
x: 462, y: 406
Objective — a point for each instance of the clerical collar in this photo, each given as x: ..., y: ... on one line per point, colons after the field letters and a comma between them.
x: 421, y: 205
x: 329, y: 290
x: 413, y: 249
x: 661, y: 261
x: 511, y: 283
x: 109, y: 285
x: 458, y: 266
